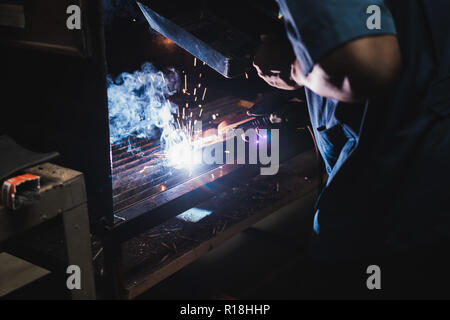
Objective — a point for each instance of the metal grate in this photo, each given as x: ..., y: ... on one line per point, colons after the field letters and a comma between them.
x: 138, y: 171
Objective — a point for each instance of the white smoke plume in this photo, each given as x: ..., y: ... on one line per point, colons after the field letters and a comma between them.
x: 138, y: 103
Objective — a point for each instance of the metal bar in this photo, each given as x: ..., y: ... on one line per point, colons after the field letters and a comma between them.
x: 161, y: 207
x: 78, y: 244
x: 113, y: 263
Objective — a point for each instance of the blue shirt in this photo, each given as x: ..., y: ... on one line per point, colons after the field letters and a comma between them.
x: 369, y: 205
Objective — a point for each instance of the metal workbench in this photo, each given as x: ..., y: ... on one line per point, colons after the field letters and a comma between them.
x: 63, y: 205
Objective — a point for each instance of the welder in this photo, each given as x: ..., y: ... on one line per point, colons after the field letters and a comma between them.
x: 377, y: 81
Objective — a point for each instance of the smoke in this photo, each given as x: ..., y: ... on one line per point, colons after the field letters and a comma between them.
x: 120, y: 8
x: 138, y: 103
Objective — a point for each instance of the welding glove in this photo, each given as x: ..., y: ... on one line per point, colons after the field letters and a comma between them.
x: 271, y: 102
x: 273, y: 61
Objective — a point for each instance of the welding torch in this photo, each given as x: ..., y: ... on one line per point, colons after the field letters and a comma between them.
x: 278, y: 107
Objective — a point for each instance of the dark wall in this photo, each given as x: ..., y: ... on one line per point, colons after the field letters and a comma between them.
x: 55, y: 102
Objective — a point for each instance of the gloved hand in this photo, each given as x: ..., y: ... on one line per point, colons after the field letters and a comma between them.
x: 272, y: 103
x: 281, y: 106
x: 274, y: 60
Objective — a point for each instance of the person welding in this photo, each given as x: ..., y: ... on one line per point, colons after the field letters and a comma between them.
x: 377, y: 81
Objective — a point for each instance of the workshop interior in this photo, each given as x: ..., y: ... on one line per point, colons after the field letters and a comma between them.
x: 99, y: 129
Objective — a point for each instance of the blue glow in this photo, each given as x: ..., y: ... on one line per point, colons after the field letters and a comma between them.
x: 194, y: 215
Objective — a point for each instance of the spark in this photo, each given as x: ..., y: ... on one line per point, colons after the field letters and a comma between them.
x: 179, y: 142
x: 246, y: 75
x: 183, y: 143
x: 184, y: 148
x: 204, y: 93
x: 145, y: 168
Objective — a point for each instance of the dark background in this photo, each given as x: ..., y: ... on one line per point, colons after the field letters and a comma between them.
x: 57, y: 102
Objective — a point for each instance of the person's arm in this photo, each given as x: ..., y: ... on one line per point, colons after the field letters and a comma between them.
x: 337, y: 56
x: 358, y: 70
